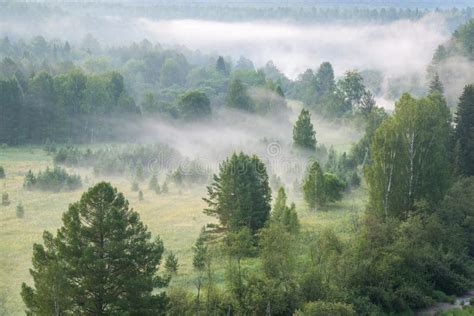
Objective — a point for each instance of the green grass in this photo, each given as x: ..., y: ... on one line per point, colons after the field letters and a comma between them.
x: 177, y: 217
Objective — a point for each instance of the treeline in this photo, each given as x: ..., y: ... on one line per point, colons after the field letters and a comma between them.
x: 324, y: 12
x: 70, y: 107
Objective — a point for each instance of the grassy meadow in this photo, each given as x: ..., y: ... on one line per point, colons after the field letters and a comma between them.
x: 176, y: 217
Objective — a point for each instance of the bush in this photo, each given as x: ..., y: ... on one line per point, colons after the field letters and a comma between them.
x: 55, y: 180
x: 20, y: 211
x: 320, y: 308
x: 471, y: 301
x: 2, y: 173
x: 5, y: 199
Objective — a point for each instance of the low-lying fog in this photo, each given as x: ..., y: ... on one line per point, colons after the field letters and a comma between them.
x: 398, y: 48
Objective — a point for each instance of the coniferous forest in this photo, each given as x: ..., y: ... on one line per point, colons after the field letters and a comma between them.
x: 237, y: 158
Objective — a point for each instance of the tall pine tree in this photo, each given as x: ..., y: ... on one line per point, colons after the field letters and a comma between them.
x: 102, y: 262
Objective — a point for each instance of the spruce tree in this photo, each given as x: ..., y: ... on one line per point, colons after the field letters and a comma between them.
x: 464, y: 134
x: 103, y: 261
x: 240, y: 195
x: 436, y: 86
x: 304, y: 135
x: 284, y: 215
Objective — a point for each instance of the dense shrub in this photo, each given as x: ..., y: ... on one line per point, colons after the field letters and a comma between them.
x: 56, y: 179
x: 138, y: 161
x: 320, y: 308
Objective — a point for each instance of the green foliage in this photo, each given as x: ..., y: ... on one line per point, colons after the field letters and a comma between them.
x: 409, y: 155
x: 303, y: 131
x: 76, y: 271
x: 194, y: 105
x: 238, y: 98
x: 119, y: 160
x: 221, y: 66
x: 2, y: 173
x: 321, y: 308
x: 140, y: 195
x: 284, y: 215
x: 56, y: 179
x: 20, y: 210
x: 5, y: 199
x: 464, y: 137
x: 171, y: 263
x: 239, y: 195
x: 320, y: 188
x: 333, y: 187
x: 313, y: 186
x: 436, y: 86
x: 456, y: 210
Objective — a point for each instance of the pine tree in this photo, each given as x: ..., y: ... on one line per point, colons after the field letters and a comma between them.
x: 171, y: 263
x: 102, y: 261
x: 240, y: 195
x: 464, y: 133
x: 436, y: 86
x: 304, y: 135
x: 2, y: 173
x: 313, y: 186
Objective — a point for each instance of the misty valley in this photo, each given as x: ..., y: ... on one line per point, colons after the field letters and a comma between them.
x: 237, y: 158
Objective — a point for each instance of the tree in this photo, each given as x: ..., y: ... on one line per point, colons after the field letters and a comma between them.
x: 409, y: 154
x: 284, y: 215
x: 240, y: 195
x: 367, y: 103
x: 237, y: 96
x: 2, y: 173
x: 333, y: 187
x: 436, y: 86
x: 171, y: 263
x: 464, y: 133
x: 194, y: 105
x: 221, y: 66
x: 200, y: 259
x: 140, y: 195
x: 313, y: 186
x: 352, y: 88
x: 102, y: 261
x: 303, y: 131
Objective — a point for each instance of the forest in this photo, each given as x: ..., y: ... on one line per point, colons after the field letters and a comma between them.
x: 207, y: 158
